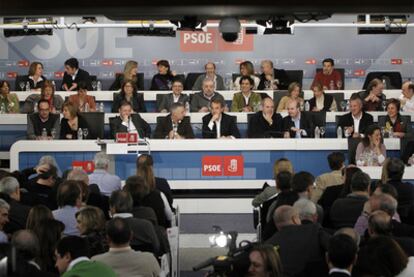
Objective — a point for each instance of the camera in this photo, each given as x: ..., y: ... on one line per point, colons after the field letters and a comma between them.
x: 229, y: 29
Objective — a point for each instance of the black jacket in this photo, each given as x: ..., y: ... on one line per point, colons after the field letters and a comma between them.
x: 305, y: 124
x: 345, y: 211
x: 260, y: 128
x: 137, y: 103
x: 26, y: 79
x: 143, y: 128
x: 228, y: 126
x: 165, y: 126
x: 161, y: 82
x: 82, y: 76
x: 347, y: 121
x: 279, y: 74
x: 65, y: 129
x: 327, y: 102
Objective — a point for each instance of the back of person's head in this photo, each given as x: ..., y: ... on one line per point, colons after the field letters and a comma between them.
x: 348, y: 174
x: 101, y: 161
x: 137, y: 187
x: 9, y: 185
x: 121, y: 202
x: 282, y: 164
x: 342, y: 251
x: 72, y: 62
x: 4, y: 173
x: 336, y: 160
x: 283, y: 180
x: 307, y: 209
x: 286, y: 215
x: 384, y: 202
x: 68, y: 193
x: 395, y: 169
x: 50, y: 173
x: 381, y: 256
x: 78, y: 175
x: 379, y: 223
x: 271, y: 259
x: 301, y: 181
x: 351, y: 233
x: 36, y: 215
x: 49, y: 232
x: 387, y: 189
x: 47, y: 159
x: 26, y: 244
x: 92, y: 219
x: 144, y: 166
x: 118, y: 231
x: 75, y: 246
x: 360, y: 182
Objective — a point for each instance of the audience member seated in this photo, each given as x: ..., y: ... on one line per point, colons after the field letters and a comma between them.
x: 43, y: 188
x: 345, y: 211
x: 4, y: 219
x: 307, y: 211
x: 121, y: 258
x: 36, y: 215
x: 371, y: 151
x: 74, y: 76
x: 164, y: 78
x: 382, y: 256
x: 246, y: 69
x: 219, y: 125
x: 300, y: 246
x: 341, y: 255
x: 129, y: 94
x: 175, y: 97
x: 297, y: 124
x: 130, y: 73
x: 72, y: 122
x: 328, y: 77
x: 47, y: 93
x: 175, y: 125
x: 34, y: 77
x: 18, y: 213
x: 27, y: 249
x: 145, y: 169
x: 43, y: 120
x: 9, y: 102
x: 106, y: 182
x: 210, y: 68
x: 144, y: 237
x: 355, y: 123
x: 294, y: 92
x: 322, y: 101
x: 246, y: 100
x: 270, y: 191
x: 201, y: 101
x: 125, y: 123
x: 91, y: 226
x: 266, y: 123
x: 69, y: 200
x: 373, y: 96
x: 336, y: 161
x: 272, y: 78
x: 406, y: 98
x: 82, y: 101
x: 394, y: 125
x: 264, y: 261
x: 72, y: 259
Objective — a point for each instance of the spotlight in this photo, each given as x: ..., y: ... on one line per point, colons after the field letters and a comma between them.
x: 230, y: 28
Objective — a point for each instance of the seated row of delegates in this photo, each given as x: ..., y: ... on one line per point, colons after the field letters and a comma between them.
x: 200, y: 101
x: 210, y: 73
x: 9, y: 102
x: 293, y: 94
x: 176, y: 96
x: 246, y: 100
x: 130, y: 73
x: 175, y: 125
x: 322, y: 101
x: 129, y: 94
x: 47, y: 92
x: 43, y: 119
x: 164, y: 78
x: 246, y: 70
x: 218, y: 124
x: 71, y: 122
x: 34, y: 77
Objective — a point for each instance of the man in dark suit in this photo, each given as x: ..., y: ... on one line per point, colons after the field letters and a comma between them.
x: 73, y: 75
x: 341, y: 255
x: 127, y: 122
x: 217, y: 124
x: 43, y: 119
x: 357, y: 121
x: 175, y: 125
x: 265, y: 123
x: 275, y: 78
x: 297, y: 124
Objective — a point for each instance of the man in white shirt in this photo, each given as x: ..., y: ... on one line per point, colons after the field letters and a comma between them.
x: 406, y: 98
x: 127, y: 122
x: 106, y: 182
x: 217, y: 124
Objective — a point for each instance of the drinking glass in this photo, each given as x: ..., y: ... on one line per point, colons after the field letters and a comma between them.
x: 322, y: 129
x: 384, y: 105
x: 94, y: 84
x: 343, y: 105
x: 22, y: 85
x: 53, y: 133
x: 85, y: 132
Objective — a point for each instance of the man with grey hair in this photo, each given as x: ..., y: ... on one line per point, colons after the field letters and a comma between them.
x: 307, y: 210
x: 175, y: 125
x: 9, y: 186
x: 144, y: 235
x: 200, y: 102
x: 4, y: 219
x: 351, y: 233
x: 106, y: 182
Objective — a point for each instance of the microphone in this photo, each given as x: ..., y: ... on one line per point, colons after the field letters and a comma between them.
x: 204, y: 264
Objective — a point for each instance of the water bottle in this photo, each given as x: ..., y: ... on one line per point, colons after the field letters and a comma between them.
x: 339, y: 132
x: 54, y: 85
x: 347, y: 105
x: 101, y: 107
x: 175, y: 129
x: 331, y: 85
x: 80, y: 134
x: 86, y: 107
x: 44, y: 133
x: 317, y: 132
x: 187, y: 107
x: 391, y: 133
x: 2, y: 109
x: 307, y: 106
x: 27, y: 86
x: 98, y: 86
x: 35, y: 109
x: 384, y: 83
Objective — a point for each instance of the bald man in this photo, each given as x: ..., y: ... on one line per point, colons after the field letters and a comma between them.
x: 406, y: 98
x: 297, y: 124
x: 265, y: 123
x: 272, y: 78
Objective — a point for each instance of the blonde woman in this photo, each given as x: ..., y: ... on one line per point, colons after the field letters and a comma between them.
x: 294, y: 92
x: 130, y: 73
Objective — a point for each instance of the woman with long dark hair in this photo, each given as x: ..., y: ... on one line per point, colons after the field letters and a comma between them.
x: 129, y: 94
x: 371, y: 150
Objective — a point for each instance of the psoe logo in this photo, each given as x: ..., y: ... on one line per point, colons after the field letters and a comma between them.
x: 222, y: 165
x: 212, y: 166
